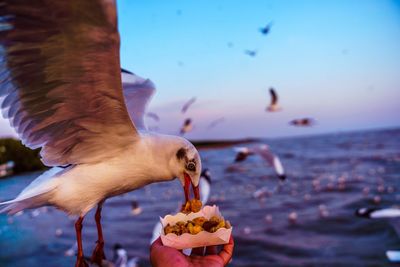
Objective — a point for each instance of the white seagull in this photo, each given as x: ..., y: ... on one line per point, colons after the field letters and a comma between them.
x: 273, y: 106
x: 393, y: 215
x: 243, y: 152
x: 61, y: 83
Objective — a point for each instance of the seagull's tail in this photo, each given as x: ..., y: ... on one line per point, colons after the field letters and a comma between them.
x: 35, y: 194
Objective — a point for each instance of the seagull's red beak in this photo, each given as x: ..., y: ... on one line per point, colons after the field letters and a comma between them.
x: 186, y: 188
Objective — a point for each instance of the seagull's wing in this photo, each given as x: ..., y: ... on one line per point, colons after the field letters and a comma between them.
x: 188, y: 104
x: 60, y: 78
x: 273, y: 160
x: 137, y: 94
x: 274, y: 96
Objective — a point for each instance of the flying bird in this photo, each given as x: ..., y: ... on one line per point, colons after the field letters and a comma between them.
x: 187, y: 126
x: 304, y: 122
x: 216, y: 122
x: 264, y: 152
x: 273, y: 106
x: 251, y: 53
x: 187, y: 105
x: 153, y: 115
x: 62, y: 89
x: 265, y: 30
x: 393, y: 215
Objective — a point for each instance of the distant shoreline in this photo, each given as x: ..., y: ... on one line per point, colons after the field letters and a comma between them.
x: 211, y: 144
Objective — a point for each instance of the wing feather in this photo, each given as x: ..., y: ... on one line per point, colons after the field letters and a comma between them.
x: 60, y: 78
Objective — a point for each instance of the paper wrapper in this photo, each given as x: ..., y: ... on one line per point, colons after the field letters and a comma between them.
x: 202, y: 239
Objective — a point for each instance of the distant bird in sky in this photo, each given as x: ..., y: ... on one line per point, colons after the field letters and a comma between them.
x: 243, y: 152
x: 153, y: 115
x: 265, y: 30
x: 187, y: 105
x: 216, y: 122
x: 63, y: 89
x: 393, y: 215
x: 273, y: 106
x: 187, y: 126
x: 304, y: 122
x: 251, y: 53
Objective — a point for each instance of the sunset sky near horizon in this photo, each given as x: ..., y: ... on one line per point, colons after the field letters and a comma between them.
x: 335, y: 61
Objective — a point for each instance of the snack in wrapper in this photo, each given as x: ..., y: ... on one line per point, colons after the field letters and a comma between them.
x: 196, y: 229
x: 197, y: 225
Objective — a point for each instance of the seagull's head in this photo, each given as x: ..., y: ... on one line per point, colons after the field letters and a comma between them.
x: 186, y: 166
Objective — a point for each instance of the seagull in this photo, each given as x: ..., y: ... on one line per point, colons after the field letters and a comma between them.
x: 186, y: 127
x: 187, y: 105
x: 121, y: 259
x: 274, y: 101
x: 216, y: 122
x: 135, y: 208
x: 265, y: 30
x: 205, y: 188
x: 251, y: 53
x: 62, y: 89
x: 265, y: 153
x: 393, y: 214
x: 153, y: 115
x: 304, y: 122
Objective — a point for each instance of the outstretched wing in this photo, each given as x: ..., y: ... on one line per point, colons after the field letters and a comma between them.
x: 60, y: 76
x: 272, y: 159
x: 274, y: 96
x: 137, y: 94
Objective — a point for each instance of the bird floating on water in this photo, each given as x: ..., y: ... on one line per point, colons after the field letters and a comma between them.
x: 135, y: 208
x: 243, y: 152
x: 62, y: 89
x: 273, y: 106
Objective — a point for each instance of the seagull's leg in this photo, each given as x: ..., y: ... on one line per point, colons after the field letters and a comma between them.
x: 98, y: 253
x: 80, y: 261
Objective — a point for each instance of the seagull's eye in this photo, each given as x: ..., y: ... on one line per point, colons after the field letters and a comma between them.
x: 191, y: 166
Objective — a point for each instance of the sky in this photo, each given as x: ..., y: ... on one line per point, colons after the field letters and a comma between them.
x: 335, y: 61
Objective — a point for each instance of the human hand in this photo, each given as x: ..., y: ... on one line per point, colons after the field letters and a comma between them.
x: 163, y: 256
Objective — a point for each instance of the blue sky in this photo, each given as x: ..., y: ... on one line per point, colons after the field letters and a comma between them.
x: 336, y: 61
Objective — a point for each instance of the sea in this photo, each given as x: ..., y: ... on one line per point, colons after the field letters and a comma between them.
x: 308, y: 220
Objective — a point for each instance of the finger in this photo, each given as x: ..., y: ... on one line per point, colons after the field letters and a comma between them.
x: 227, y: 251
x: 197, y: 251
x: 211, y: 250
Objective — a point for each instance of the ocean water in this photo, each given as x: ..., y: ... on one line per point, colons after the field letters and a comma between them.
x: 334, y: 173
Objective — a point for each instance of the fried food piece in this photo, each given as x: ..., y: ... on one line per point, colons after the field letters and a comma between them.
x: 197, y: 225
x: 199, y: 220
x: 193, y: 205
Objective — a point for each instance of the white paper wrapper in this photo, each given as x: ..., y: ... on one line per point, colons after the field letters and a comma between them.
x: 202, y: 239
